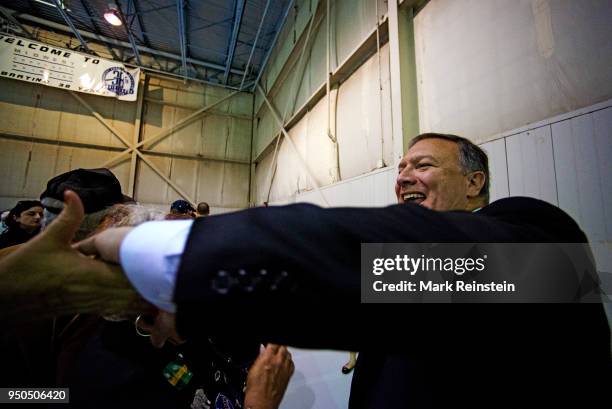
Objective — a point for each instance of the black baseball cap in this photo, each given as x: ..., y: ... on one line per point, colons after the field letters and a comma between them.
x: 97, y: 188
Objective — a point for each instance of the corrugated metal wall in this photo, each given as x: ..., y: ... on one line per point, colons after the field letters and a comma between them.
x: 360, y: 111
x: 45, y: 131
x: 209, y: 158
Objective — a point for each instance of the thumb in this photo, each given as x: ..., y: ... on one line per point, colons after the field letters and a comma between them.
x: 64, y: 227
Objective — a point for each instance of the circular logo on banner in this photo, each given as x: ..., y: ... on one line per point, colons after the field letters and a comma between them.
x: 118, y: 81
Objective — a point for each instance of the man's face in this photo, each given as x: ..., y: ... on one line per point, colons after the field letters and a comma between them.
x: 30, y: 219
x: 430, y: 175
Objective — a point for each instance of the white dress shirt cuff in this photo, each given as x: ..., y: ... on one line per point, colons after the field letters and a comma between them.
x: 150, y: 255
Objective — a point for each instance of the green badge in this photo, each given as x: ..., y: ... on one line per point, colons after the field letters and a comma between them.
x: 177, y: 373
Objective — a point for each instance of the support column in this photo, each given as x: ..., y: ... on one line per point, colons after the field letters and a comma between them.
x: 136, y: 135
x: 404, y: 99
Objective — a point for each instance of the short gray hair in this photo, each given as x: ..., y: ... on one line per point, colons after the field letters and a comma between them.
x: 471, y: 157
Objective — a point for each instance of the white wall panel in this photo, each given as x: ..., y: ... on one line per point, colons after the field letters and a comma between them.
x: 290, y: 174
x: 342, y: 194
x: 485, y: 67
x: 603, y: 140
x: 239, y: 140
x: 580, y: 157
x: 214, y: 136
x: 264, y: 129
x: 293, y: 91
x: 583, y: 152
x: 234, y: 187
x: 316, y: 64
x: 315, y: 148
x: 319, y: 149
x: 185, y: 139
x: 261, y: 180
x: 353, y: 21
x: 531, y: 170
x: 210, y: 183
x: 380, y: 188
x: 374, y: 189
x: 498, y: 169
x: 359, y: 122
x: 358, y: 129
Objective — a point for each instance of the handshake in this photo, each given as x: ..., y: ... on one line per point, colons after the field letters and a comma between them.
x: 51, y: 275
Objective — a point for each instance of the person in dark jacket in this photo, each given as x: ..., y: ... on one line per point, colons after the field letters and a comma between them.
x: 23, y: 221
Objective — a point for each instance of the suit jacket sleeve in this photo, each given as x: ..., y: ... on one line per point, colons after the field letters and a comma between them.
x: 295, y: 269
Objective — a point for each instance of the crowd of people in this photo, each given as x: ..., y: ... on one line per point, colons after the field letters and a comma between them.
x: 209, y: 291
x: 108, y: 361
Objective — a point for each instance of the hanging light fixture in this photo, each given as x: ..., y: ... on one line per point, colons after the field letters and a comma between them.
x: 112, y: 15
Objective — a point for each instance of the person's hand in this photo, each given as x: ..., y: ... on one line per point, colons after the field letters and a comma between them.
x: 105, y: 245
x: 268, y: 378
x: 47, y: 277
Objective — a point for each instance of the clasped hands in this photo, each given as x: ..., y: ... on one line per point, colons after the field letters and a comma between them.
x: 51, y: 275
x: 105, y: 246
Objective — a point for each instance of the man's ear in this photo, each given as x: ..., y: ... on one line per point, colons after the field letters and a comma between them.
x: 476, y: 181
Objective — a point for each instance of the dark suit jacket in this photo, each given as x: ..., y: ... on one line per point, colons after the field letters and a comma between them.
x: 292, y: 275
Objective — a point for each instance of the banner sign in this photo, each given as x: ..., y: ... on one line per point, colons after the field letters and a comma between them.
x: 40, y: 63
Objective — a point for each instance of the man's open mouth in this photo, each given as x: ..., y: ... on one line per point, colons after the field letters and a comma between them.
x: 416, y: 198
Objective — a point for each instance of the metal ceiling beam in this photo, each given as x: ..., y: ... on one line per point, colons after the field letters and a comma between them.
x: 180, y: 11
x: 156, y: 9
x: 68, y: 21
x: 210, y: 24
x: 89, y: 12
x: 143, y: 30
x: 128, y: 31
x: 281, y: 23
x: 145, y: 39
x: 118, y: 43
x: 246, y: 69
x: 8, y: 14
x: 234, y: 38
